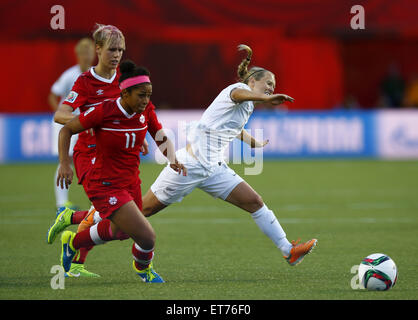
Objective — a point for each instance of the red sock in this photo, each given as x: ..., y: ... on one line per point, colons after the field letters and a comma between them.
x: 97, y: 234
x: 142, y: 257
x: 78, y: 216
x: 81, y: 256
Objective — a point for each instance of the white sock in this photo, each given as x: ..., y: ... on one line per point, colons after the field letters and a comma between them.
x: 268, y: 223
x: 61, y: 195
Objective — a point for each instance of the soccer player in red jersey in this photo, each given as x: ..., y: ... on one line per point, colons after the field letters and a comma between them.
x: 98, y: 84
x: 113, y: 184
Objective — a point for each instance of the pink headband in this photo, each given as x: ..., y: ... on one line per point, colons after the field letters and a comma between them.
x: 133, y: 81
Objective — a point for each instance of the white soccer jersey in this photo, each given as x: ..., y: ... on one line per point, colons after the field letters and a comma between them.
x: 62, y: 87
x: 221, y: 123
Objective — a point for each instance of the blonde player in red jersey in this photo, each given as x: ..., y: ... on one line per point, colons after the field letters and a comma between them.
x: 85, y: 52
x: 114, y: 186
x: 98, y: 84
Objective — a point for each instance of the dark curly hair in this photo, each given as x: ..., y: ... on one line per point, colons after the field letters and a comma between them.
x: 129, y: 69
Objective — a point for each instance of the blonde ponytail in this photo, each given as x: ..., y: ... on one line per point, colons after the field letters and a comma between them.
x: 243, y: 67
x: 243, y: 73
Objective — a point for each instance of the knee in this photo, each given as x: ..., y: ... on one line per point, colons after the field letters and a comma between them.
x: 256, y: 202
x: 146, y: 210
x: 148, y: 240
x: 149, y: 206
x: 151, y: 238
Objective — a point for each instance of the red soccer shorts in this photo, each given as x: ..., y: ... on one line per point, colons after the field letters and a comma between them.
x: 108, y: 199
x: 83, y: 162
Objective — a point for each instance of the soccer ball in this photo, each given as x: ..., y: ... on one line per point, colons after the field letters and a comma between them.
x: 377, y: 272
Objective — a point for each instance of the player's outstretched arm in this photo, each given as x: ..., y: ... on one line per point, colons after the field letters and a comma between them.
x: 241, y: 95
x: 65, y: 173
x: 250, y: 140
x: 166, y: 147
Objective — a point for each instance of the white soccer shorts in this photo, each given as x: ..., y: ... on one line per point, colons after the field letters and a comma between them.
x: 172, y: 187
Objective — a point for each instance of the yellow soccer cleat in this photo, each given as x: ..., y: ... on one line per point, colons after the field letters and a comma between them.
x: 78, y: 270
x: 67, y: 250
x: 62, y: 221
x: 148, y: 274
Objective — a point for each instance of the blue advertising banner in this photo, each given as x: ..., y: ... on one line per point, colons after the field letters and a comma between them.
x: 397, y: 134
x: 316, y: 134
x: 384, y: 134
x: 26, y: 138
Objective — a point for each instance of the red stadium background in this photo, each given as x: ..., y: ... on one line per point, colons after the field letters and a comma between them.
x: 190, y: 47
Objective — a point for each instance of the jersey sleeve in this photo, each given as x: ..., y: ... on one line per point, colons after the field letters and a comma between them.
x: 239, y: 85
x: 78, y: 94
x: 92, y: 117
x: 153, y: 123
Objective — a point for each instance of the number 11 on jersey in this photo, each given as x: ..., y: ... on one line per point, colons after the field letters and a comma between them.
x: 129, y: 138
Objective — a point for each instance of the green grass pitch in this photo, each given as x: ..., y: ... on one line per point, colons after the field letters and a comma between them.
x: 208, y: 249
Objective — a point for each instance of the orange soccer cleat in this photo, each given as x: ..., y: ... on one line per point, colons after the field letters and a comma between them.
x: 299, y: 251
x: 88, y: 221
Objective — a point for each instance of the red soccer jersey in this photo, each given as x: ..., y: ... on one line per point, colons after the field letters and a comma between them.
x: 89, y: 90
x: 119, y: 138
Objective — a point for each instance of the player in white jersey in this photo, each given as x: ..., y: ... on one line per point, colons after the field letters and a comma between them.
x: 222, y: 122
x: 85, y: 53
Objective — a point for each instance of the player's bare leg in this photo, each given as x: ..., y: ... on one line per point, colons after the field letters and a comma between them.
x: 245, y: 197
x: 130, y: 220
x: 150, y: 204
x: 125, y: 222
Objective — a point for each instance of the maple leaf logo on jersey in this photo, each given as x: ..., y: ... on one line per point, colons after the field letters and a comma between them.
x: 99, y: 92
x: 113, y: 200
x: 142, y: 118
